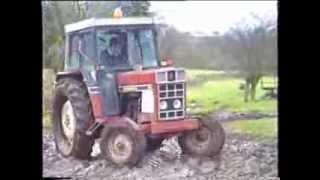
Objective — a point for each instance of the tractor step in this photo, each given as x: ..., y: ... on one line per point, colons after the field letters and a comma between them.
x: 93, y: 128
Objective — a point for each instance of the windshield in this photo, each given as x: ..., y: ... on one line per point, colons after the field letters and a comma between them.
x: 124, y: 49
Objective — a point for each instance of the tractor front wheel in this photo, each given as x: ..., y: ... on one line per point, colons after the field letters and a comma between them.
x: 208, y: 140
x: 122, y: 145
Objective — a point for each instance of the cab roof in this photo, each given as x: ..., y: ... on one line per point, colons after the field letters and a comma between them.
x: 93, y: 22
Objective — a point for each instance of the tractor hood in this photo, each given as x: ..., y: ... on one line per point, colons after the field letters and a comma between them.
x: 151, y: 76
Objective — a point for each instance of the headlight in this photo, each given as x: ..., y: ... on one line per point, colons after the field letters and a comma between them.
x: 163, y: 105
x: 177, y: 104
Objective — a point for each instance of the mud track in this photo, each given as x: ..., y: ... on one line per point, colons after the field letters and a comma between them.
x: 241, y: 158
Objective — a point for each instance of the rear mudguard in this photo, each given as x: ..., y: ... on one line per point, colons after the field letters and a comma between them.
x: 103, y: 92
x: 71, y: 73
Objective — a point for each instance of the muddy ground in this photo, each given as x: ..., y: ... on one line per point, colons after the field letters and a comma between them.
x: 241, y: 158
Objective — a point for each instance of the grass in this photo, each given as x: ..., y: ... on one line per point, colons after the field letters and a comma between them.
x: 213, y: 94
x: 262, y: 128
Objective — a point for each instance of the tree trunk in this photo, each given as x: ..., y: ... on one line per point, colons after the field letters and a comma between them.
x: 59, y: 20
x: 253, y: 92
x: 246, y: 89
x: 254, y: 83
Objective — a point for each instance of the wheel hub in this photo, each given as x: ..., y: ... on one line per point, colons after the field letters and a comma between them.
x: 120, y: 147
x: 201, y: 138
x: 202, y: 135
x: 68, y: 120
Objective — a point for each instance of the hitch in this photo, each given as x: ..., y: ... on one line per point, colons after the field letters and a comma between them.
x: 93, y: 128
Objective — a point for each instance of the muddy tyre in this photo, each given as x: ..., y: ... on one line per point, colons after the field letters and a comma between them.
x: 208, y: 140
x: 72, y: 115
x: 122, y: 145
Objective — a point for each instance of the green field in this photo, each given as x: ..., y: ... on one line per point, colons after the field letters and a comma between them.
x: 262, y: 128
x: 214, y: 90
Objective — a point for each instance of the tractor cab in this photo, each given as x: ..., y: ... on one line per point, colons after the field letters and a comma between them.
x: 112, y: 44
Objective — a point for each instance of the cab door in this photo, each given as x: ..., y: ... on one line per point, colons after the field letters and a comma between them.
x: 107, y: 79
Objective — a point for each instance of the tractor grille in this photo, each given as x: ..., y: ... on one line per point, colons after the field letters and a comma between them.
x: 169, y: 92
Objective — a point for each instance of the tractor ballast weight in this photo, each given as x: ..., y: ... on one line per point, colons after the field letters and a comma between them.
x: 115, y: 87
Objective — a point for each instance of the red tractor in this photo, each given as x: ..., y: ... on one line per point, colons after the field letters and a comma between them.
x: 115, y: 87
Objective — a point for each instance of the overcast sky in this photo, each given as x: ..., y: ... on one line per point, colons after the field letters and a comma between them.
x: 209, y: 16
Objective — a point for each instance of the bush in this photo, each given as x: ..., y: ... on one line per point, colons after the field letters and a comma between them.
x: 48, y: 77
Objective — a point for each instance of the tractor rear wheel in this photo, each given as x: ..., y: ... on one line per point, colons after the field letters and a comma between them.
x: 72, y: 116
x: 122, y: 145
x: 208, y: 140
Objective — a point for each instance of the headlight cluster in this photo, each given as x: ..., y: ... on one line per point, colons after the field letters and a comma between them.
x: 176, y: 104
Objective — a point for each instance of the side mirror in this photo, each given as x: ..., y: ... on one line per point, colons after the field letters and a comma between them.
x: 166, y: 62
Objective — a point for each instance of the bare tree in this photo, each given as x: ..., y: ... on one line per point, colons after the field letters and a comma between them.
x: 250, y: 47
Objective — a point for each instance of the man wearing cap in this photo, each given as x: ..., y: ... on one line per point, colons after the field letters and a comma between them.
x: 113, y: 54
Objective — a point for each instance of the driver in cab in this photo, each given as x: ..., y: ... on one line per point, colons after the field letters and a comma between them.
x: 113, y: 54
